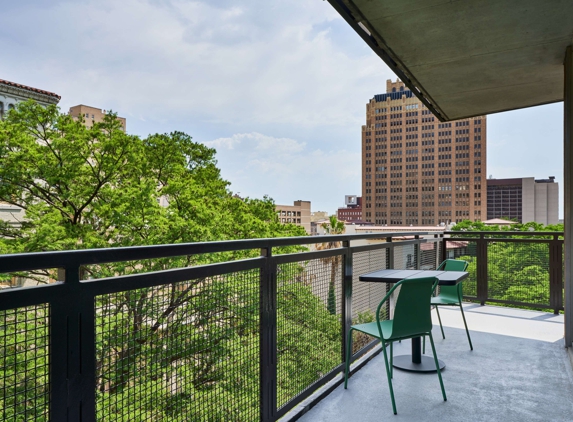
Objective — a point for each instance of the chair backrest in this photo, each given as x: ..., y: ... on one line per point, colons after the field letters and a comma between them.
x: 453, y: 265
x: 453, y: 292
x: 412, y: 310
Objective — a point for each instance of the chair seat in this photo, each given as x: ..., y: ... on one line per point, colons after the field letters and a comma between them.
x: 442, y: 300
x: 371, y: 328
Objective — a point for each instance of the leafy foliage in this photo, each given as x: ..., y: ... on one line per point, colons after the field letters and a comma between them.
x: 517, y: 272
x: 180, y: 351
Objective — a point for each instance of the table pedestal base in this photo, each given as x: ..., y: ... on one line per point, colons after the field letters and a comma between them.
x: 405, y: 363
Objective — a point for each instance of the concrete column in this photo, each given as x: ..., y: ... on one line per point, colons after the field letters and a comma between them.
x: 568, y: 194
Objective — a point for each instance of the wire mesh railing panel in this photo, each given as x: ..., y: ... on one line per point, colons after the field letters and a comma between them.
x: 518, y: 272
x: 367, y: 295
x: 429, y: 254
x: 467, y: 251
x: 308, y: 323
x: 24, y: 364
x: 404, y: 256
x: 179, y: 352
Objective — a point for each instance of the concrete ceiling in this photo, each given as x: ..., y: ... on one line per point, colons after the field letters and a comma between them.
x: 469, y: 58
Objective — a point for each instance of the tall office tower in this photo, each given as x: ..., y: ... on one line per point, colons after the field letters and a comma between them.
x: 416, y: 170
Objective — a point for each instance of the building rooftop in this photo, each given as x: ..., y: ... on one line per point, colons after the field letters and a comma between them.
x: 393, y: 95
x: 29, y: 88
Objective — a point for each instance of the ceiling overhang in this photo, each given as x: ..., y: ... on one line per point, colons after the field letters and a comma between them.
x: 469, y: 58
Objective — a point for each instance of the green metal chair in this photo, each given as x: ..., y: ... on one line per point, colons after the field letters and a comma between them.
x: 450, y: 295
x: 412, y: 318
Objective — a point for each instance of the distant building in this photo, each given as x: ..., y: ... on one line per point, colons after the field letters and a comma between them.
x: 524, y: 199
x: 298, y: 213
x: 417, y: 170
x: 318, y: 216
x: 92, y: 115
x: 498, y: 222
x: 353, y: 209
x: 11, y: 93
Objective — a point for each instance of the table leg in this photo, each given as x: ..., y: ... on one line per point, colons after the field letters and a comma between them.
x: 416, y: 362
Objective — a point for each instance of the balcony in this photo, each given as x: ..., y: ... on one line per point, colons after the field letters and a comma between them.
x: 254, y: 330
x: 519, y: 370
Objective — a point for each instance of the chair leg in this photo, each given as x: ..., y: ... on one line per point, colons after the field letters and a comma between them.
x: 438, y: 367
x: 348, y: 354
x: 467, y: 331
x: 388, y: 376
x: 440, y: 319
x: 392, y: 360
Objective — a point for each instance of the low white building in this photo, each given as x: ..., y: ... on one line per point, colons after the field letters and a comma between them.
x: 11, y: 93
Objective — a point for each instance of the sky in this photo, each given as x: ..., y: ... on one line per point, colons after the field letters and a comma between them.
x: 279, y: 88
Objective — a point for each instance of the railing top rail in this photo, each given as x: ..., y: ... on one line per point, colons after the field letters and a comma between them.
x: 504, y: 233
x: 59, y: 259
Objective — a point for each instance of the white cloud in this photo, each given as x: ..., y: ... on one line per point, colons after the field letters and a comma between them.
x: 255, y: 62
x: 288, y: 170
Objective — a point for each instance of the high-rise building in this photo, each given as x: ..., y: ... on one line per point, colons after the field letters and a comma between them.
x: 524, y: 199
x: 416, y: 170
x: 92, y: 115
x: 11, y: 93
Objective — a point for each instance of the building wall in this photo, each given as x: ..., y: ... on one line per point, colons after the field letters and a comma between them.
x: 12, y: 93
x: 505, y: 198
x: 416, y: 170
x: 92, y: 115
x: 298, y: 213
x: 524, y: 199
x: 546, y: 202
x: 349, y: 214
x: 528, y: 212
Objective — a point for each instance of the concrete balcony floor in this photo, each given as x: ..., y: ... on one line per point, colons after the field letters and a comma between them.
x: 519, y: 370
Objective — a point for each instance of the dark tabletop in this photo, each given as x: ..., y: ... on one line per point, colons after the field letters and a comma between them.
x: 446, y: 278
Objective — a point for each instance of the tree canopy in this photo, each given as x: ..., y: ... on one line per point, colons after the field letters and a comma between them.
x: 87, y: 187
x: 180, y: 351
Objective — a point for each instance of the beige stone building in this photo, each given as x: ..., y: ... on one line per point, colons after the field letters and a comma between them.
x: 298, y: 213
x: 416, y: 170
x: 93, y: 115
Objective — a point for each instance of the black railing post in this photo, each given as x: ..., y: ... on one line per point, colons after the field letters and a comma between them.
x: 443, y: 251
x: 268, y: 337
x: 346, y: 297
x: 390, y: 254
x: 556, y: 274
x: 71, y: 388
x: 481, y: 282
x: 417, y: 252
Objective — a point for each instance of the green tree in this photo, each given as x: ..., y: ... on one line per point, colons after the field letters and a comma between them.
x: 160, y: 351
x: 517, y: 272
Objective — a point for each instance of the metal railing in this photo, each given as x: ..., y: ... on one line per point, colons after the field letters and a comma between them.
x: 109, y: 337
x: 161, y: 336
x: 521, y: 269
